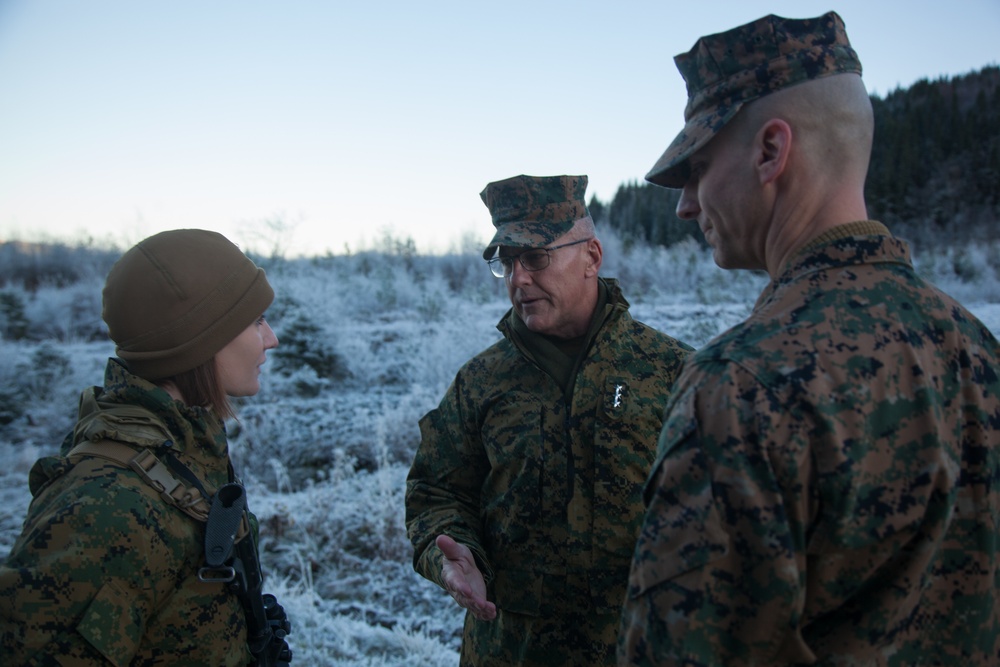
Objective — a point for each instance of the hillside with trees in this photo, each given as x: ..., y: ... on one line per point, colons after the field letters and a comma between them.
x: 934, y: 176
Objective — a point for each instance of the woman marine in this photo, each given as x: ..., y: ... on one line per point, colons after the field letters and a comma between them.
x: 106, y: 569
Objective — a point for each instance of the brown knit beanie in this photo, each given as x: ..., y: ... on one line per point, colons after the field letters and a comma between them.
x: 178, y: 297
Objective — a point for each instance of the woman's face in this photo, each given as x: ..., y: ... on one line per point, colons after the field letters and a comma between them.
x: 238, y: 363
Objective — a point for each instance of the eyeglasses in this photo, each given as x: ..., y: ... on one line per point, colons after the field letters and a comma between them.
x: 531, y: 260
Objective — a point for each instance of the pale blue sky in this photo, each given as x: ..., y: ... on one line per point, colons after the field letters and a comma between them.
x: 121, y: 118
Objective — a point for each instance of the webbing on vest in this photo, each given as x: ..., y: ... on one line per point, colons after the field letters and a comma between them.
x: 154, y: 472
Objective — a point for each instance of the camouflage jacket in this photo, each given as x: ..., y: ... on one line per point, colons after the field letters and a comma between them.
x: 827, y: 488
x: 105, y: 571
x: 539, y: 485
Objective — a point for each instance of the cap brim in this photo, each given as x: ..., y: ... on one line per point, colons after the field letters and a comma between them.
x: 526, y: 235
x: 671, y: 170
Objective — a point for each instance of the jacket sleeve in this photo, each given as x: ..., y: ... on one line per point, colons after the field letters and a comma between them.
x: 445, y: 482
x: 97, y: 557
x: 717, y: 576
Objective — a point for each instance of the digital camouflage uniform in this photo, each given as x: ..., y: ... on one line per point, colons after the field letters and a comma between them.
x: 544, y: 488
x: 105, y: 567
x: 827, y: 489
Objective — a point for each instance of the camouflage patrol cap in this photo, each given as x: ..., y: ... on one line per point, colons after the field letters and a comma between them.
x: 533, y: 211
x: 726, y: 70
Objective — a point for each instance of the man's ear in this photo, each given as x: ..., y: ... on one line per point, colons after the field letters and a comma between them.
x: 595, y: 255
x: 773, y: 146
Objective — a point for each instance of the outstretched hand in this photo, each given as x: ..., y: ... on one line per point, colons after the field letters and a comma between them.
x: 463, y: 580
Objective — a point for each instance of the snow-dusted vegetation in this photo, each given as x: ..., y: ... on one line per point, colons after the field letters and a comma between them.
x: 369, y: 343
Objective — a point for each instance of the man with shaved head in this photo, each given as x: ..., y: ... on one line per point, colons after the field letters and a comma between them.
x: 827, y: 482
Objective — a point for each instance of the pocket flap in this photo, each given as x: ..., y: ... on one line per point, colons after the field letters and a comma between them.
x: 112, y: 624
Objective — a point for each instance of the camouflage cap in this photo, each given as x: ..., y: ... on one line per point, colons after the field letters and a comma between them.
x: 726, y: 70
x: 533, y: 211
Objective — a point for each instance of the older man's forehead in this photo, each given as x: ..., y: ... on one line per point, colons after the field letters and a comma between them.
x: 514, y: 251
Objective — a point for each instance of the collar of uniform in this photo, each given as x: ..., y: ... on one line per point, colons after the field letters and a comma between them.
x: 854, y: 244
x: 858, y: 228
x: 189, y: 425
x: 561, y: 358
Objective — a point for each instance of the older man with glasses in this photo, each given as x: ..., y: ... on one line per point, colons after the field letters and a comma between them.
x: 525, y: 496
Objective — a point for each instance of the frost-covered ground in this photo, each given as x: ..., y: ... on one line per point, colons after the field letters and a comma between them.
x: 324, y: 448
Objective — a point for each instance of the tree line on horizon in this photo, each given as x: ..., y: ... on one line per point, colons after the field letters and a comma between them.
x: 934, y: 175
x: 934, y: 179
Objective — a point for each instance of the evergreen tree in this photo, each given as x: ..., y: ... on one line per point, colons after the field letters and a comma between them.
x: 935, y: 168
